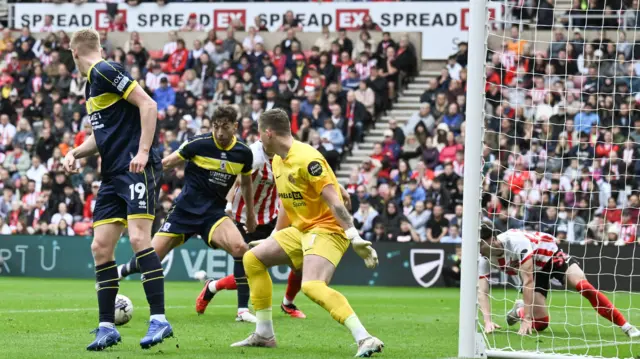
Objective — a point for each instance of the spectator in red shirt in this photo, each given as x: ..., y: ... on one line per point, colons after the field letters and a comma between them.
x: 492, y: 77
x: 279, y: 60
x: 269, y: 79
x: 448, y: 152
x: 90, y: 201
x: 312, y: 81
x: 119, y: 23
x: 611, y: 213
x: 178, y: 59
x: 606, y: 146
x: 516, y: 179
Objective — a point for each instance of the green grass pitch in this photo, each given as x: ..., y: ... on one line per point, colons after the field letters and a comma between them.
x: 50, y: 318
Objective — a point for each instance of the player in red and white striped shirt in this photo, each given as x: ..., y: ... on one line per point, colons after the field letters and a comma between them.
x: 537, y: 259
x: 266, y: 207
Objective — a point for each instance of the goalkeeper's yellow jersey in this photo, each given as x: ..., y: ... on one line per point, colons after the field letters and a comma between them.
x: 300, y: 178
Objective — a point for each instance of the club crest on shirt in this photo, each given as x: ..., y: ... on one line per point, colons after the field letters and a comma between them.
x: 291, y: 179
x: 223, y: 165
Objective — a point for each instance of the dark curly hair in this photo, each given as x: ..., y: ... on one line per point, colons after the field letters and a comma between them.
x: 225, y: 113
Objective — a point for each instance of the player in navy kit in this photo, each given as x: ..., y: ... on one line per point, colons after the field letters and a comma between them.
x: 213, y: 162
x: 123, y: 118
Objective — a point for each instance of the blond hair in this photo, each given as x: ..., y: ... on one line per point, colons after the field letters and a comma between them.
x: 85, y: 41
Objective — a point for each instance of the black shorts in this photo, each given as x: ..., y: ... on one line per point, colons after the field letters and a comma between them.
x: 263, y: 231
x: 128, y: 196
x: 182, y: 224
x: 555, y: 268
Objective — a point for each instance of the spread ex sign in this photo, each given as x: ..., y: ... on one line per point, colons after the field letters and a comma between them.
x: 222, y: 19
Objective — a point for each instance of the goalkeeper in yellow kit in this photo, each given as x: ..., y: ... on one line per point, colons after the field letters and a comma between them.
x: 314, y: 230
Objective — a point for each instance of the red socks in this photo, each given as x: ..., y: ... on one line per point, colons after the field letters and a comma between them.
x: 293, y: 286
x: 228, y: 283
x: 600, y: 303
x: 539, y: 324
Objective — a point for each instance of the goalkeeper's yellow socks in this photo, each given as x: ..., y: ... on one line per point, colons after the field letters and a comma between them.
x: 261, y: 293
x: 336, y: 304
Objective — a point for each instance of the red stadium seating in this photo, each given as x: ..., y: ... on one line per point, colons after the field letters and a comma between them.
x: 155, y: 54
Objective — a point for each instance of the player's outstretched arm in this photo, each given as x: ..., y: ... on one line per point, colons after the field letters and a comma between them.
x: 528, y: 286
x: 246, y: 186
x: 485, y: 306
x: 360, y: 246
x: 172, y: 161
x: 148, y: 118
x: 86, y: 149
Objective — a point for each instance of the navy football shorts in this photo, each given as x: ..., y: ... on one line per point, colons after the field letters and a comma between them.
x: 128, y: 196
x: 182, y: 224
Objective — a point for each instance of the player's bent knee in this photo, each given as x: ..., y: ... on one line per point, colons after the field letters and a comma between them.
x: 139, y: 241
x: 252, y: 265
x: 238, y: 249
x: 101, y: 249
x: 540, y: 324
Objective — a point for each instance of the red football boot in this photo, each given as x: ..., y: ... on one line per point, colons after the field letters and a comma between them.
x: 204, y: 298
x: 292, y: 311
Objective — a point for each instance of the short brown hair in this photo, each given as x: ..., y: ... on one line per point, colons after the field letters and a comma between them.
x: 276, y: 120
x: 85, y: 40
x: 225, y: 113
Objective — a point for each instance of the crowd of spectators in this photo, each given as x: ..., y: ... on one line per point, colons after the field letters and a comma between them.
x: 333, y: 89
x: 560, y: 148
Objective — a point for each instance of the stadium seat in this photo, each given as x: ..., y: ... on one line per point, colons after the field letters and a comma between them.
x: 173, y: 80
x: 155, y: 54
x: 82, y: 228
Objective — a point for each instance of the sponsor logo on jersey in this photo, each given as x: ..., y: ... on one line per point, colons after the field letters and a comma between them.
x: 122, y: 82
x: 291, y: 195
x: 314, y: 168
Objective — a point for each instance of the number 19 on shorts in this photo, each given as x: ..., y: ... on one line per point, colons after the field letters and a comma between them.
x: 137, y: 190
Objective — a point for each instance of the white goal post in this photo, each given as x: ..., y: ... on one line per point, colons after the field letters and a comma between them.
x: 578, y: 332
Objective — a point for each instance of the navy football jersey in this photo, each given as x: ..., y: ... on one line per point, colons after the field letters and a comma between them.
x: 115, y: 122
x: 210, y: 172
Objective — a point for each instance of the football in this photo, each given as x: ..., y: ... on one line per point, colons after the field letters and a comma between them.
x: 200, y: 275
x: 124, y: 310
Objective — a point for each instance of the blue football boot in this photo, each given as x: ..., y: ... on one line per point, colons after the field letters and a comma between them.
x: 105, y: 337
x: 157, y: 332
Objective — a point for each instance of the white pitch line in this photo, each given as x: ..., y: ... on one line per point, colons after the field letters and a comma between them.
x: 61, y: 310
x: 587, y: 346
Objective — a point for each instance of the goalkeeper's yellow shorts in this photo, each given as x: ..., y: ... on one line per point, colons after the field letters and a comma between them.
x: 296, y: 244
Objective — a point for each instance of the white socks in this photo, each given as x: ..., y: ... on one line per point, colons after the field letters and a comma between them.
x: 286, y: 301
x: 242, y: 310
x: 264, y: 327
x: 159, y: 317
x: 356, y: 328
x: 107, y: 325
x: 626, y: 327
x: 212, y: 286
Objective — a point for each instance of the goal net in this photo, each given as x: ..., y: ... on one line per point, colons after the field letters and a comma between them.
x: 560, y: 129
